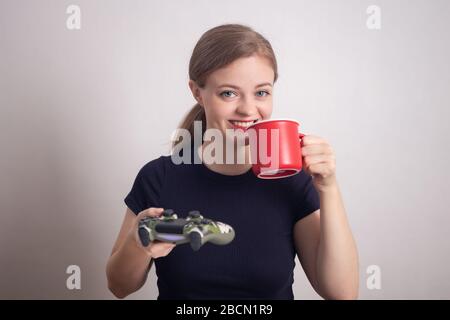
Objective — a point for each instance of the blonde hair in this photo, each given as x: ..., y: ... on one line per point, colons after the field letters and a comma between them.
x: 215, y: 49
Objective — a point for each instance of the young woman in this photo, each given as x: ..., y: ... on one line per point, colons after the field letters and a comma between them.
x: 232, y: 75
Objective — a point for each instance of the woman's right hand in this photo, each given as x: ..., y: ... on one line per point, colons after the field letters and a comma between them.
x: 156, y: 248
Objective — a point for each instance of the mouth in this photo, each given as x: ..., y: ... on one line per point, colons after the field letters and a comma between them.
x: 237, y: 124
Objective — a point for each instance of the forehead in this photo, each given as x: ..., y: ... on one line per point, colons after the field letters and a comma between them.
x: 243, y: 72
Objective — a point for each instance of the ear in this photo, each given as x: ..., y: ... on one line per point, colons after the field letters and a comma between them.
x: 195, y: 89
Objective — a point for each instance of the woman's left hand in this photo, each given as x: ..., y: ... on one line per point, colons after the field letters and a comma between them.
x: 319, y: 161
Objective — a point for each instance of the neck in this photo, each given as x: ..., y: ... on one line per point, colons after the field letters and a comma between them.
x: 230, y: 169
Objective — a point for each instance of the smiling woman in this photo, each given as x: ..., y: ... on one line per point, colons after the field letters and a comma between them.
x: 232, y: 74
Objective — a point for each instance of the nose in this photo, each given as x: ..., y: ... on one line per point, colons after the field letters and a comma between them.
x: 247, y: 107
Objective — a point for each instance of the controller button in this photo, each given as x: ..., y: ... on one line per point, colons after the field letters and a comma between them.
x: 167, y: 213
x: 194, y: 214
x: 195, y: 239
x: 144, y: 236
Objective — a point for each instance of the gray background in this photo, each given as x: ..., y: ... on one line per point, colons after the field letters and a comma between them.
x: 83, y: 110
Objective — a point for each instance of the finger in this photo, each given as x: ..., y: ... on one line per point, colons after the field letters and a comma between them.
x: 310, y: 160
x: 323, y: 169
x: 164, y: 245
x: 161, y: 250
x: 150, y: 212
x: 313, y: 149
x: 312, y: 139
x: 168, y: 245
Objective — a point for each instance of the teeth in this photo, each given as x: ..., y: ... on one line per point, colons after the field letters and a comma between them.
x: 242, y: 124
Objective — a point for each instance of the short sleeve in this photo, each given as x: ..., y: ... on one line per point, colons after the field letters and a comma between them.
x: 146, y: 190
x: 307, y: 198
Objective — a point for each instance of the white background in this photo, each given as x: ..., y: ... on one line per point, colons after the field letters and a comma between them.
x: 83, y: 110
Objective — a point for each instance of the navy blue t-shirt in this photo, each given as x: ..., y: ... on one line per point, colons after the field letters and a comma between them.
x: 259, y: 262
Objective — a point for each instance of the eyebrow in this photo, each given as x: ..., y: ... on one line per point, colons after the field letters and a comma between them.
x: 236, y: 87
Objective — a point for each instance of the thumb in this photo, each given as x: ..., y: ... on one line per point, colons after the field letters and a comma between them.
x: 150, y: 212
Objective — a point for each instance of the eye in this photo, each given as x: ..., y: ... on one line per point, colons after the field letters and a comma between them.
x: 221, y: 94
x: 266, y: 93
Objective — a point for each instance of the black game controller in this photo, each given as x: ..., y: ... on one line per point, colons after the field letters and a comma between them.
x: 195, y: 230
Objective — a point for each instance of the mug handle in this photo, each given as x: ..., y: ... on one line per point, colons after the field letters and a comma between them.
x: 301, y: 135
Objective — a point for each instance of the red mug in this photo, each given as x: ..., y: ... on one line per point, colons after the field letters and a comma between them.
x: 275, y: 148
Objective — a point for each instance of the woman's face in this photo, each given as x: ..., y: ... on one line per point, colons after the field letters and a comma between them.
x: 241, y: 91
